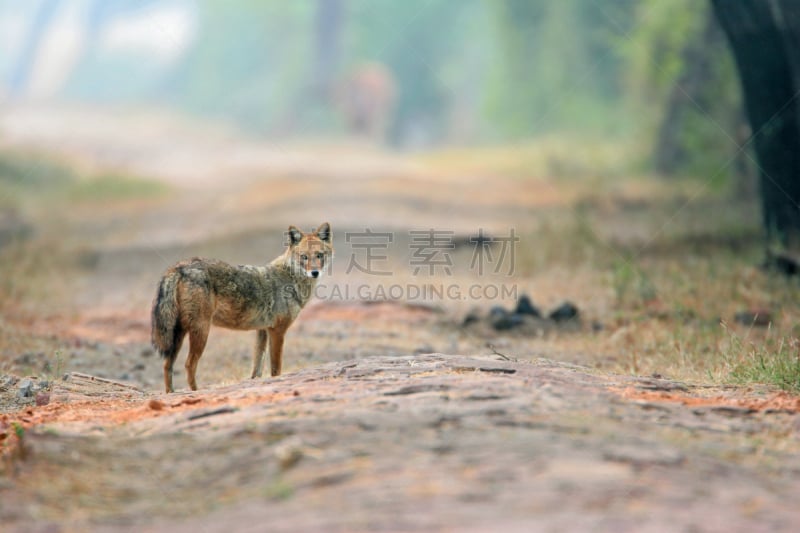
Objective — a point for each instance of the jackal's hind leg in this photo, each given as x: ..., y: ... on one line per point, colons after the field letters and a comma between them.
x: 258, y: 353
x: 168, y: 364
x: 198, y: 336
x: 169, y: 359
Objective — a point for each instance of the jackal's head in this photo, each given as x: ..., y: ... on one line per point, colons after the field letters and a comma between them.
x: 311, y: 252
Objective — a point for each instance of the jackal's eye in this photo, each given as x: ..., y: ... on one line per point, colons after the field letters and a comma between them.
x: 304, y: 257
x: 320, y: 255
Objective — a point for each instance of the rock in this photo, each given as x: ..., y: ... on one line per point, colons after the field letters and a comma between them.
x: 155, y: 405
x: 500, y: 319
x: 147, y: 352
x: 507, y: 321
x: 7, y: 381
x: 565, y: 311
x: 25, y: 388
x: 29, y: 358
x: 289, y: 453
x: 496, y: 312
x: 754, y: 317
x: 42, y: 398
x: 526, y: 307
x: 471, y: 317
x: 782, y: 262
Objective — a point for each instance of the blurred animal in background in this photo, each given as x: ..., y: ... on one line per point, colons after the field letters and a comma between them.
x: 367, y: 98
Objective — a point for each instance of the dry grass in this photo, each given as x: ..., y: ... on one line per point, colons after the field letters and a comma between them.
x: 663, y: 265
x: 668, y: 304
x: 661, y: 268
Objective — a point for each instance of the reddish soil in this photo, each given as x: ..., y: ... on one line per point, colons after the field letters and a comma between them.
x: 775, y: 402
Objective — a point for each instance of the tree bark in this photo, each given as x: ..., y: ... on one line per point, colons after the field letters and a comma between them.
x: 763, y: 36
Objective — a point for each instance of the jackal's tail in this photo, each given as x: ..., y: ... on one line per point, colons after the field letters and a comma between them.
x: 167, y: 333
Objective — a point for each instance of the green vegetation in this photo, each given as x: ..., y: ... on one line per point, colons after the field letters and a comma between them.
x: 278, y: 490
x: 24, y: 176
x: 107, y: 187
x: 774, y: 360
x: 466, y: 71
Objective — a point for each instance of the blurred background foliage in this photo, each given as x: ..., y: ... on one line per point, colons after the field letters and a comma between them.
x: 466, y: 72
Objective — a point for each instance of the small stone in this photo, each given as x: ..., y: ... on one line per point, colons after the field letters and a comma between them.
x: 526, y: 307
x: 497, y: 311
x: 25, y: 388
x: 754, y: 317
x: 7, y: 381
x: 147, y: 351
x: 565, y: 311
x: 782, y: 262
x: 507, y: 321
x: 155, y: 405
x: 28, y: 358
x: 289, y: 453
x: 471, y: 317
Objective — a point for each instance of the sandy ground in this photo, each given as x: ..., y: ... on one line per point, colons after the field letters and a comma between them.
x: 371, y: 427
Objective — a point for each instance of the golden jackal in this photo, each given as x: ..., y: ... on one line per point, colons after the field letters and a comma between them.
x: 194, y: 294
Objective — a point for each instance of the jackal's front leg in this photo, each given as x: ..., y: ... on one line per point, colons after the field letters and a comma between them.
x: 258, y: 353
x: 276, y: 336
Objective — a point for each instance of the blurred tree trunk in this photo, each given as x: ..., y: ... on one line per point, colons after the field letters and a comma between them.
x: 328, y: 32
x: 764, y: 35
x: 26, y: 60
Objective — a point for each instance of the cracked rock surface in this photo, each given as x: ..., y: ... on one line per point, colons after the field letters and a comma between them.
x: 408, y: 443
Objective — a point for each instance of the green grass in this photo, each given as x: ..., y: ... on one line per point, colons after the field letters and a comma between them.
x: 114, y: 187
x: 278, y: 490
x: 30, y: 178
x: 775, y: 361
x: 26, y: 170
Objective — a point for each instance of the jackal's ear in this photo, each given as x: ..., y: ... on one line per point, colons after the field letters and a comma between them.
x: 295, y: 235
x: 324, y: 232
